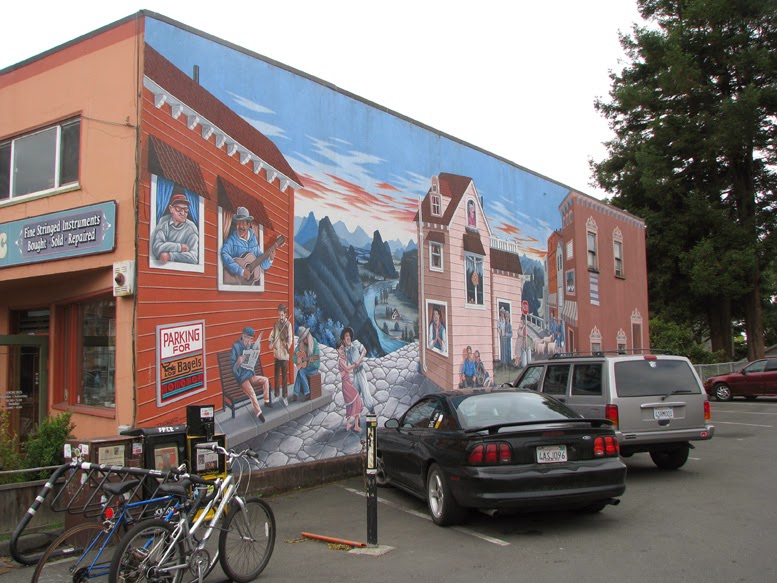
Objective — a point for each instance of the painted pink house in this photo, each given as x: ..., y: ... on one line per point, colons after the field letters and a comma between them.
x: 465, y: 276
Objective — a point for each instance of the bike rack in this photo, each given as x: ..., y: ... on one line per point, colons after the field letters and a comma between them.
x: 81, y: 493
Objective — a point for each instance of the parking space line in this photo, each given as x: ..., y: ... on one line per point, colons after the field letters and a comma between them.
x: 748, y: 424
x: 746, y: 412
x: 484, y: 537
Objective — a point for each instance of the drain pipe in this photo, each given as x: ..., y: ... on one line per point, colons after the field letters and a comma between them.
x: 424, y: 326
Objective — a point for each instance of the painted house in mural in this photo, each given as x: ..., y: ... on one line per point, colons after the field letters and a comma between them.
x: 181, y: 189
x: 469, y: 280
x: 597, y: 279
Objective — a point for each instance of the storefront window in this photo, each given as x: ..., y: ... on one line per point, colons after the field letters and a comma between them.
x: 97, y: 324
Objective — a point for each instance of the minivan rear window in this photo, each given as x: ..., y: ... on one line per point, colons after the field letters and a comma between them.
x: 642, y: 378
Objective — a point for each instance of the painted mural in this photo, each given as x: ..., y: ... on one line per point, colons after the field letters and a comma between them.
x: 407, y: 259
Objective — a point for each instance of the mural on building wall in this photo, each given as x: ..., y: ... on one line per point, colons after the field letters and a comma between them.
x: 412, y: 253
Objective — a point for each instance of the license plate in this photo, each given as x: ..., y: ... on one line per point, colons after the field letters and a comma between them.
x: 663, y: 413
x: 551, y: 454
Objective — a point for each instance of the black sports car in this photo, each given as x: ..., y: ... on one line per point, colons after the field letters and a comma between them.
x: 496, y: 449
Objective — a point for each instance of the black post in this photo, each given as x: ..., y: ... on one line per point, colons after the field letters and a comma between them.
x: 372, y: 485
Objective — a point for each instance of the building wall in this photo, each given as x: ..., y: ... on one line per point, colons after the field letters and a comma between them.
x: 97, y: 80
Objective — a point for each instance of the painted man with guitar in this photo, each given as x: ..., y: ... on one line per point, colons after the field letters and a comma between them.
x: 241, y: 254
x: 307, y: 357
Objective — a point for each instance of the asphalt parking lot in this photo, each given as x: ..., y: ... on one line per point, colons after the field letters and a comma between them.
x: 712, y: 521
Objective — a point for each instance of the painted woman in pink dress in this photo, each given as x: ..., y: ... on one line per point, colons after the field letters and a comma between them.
x: 353, y: 402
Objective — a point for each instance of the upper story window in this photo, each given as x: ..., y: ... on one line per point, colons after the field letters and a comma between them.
x: 474, y: 283
x: 593, y: 262
x: 436, y: 204
x: 617, y: 252
x: 435, y: 256
x: 40, y: 161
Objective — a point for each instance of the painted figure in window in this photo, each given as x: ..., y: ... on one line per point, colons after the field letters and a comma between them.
x: 506, y: 338
x: 243, y: 360
x: 468, y: 375
x: 474, y: 280
x: 356, y: 353
x: 472, y: 218
x: 438, y: 337
x: 241, y: 253
x: 351, y: 399
x: 175, y: 237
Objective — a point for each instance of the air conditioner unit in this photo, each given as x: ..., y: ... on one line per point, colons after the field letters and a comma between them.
x: 123, y: 278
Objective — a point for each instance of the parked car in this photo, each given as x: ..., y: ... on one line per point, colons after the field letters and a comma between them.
x: 756, y: 379
x: 655, y: 402
x: 495, y: 449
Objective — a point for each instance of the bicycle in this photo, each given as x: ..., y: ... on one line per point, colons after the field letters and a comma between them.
x: 158, y: 551
x: 85, y: 551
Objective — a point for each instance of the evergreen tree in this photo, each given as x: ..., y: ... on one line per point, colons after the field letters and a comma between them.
x: 695, y: 116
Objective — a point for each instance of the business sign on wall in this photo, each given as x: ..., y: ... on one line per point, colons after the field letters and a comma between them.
x: 180, y: 365
x: 82, y: 231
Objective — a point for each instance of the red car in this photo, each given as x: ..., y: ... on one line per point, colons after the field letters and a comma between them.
x: 758, y: 378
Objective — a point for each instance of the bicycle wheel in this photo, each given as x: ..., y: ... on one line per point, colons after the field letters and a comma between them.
x: 247, y: 540
x: 76, y: 555
x: 142, y: 555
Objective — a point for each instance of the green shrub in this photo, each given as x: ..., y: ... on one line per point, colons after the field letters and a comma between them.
x: 43, y: 448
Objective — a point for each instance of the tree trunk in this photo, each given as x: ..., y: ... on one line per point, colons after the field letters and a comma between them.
x: 754, y: 325
x: 719, y: 319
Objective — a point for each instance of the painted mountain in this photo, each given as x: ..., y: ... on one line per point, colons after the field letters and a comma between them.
x: 331, y: 272
x: 380, y: 261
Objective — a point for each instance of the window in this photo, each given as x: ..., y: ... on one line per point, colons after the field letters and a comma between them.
x: 593, y: 265
x: 40, y: 161
x: 436, y: 205
x: 531, y: 378
x: 88, y: 353
x: 474, y: 265
x: 617, y: 250
x: 556, y: 379
x: 435, y: 256
x: 422, y: 415
x: 587, y: 379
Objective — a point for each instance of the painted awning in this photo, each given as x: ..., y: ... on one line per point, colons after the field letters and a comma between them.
x: 473, y: 244
x: 164, y: 160
x: 569, y: 313
x: 231, y: 197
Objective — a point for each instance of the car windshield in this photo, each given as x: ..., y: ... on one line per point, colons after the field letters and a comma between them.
x: 642, y: 378
x: 484, y: 409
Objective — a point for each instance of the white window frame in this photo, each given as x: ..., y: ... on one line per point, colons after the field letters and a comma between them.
x: 435, y: 245
x: 436, y: 203
x: 593, y: 260
x: 477, y: 259
x: 617, y: 254
x: 57, y: 170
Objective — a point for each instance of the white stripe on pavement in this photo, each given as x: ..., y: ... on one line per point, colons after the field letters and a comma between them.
x: 425, y: 516
x: 747, y: 424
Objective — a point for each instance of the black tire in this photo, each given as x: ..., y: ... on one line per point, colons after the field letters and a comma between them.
x: 140, y: 551
x: 443, y: 507
x: 247, y: 540
x: 722, y: 392
x: 380, y: 475
x: 70, y: 556
x: 670, y: 459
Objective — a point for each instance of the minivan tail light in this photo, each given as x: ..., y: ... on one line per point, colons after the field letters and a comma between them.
x: 611, y: 414
x: 707, y: 413
x: 491, y: 454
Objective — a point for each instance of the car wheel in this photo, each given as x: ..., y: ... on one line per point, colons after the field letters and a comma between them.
x: 723, y: 392
x: 670, y: 459
x: 380, y: 474
x: 443, y: 507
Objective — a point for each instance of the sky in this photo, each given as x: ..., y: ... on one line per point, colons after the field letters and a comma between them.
x: 517, y: 79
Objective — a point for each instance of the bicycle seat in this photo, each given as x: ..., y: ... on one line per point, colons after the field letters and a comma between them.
x: 119, y: 488
x: 180, y: 489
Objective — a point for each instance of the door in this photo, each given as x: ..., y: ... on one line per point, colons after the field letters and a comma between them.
x: 24, y: 387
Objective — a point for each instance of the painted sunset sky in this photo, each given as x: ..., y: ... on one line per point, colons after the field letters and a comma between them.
x: 358, y: 163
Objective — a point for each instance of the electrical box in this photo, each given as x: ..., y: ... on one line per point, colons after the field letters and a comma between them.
x: 123, y: 278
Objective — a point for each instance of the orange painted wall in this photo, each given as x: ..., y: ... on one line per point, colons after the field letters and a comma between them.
x: 169, y: 297
x: 97, y: 80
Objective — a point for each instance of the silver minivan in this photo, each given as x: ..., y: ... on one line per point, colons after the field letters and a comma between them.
x: 656, y: 402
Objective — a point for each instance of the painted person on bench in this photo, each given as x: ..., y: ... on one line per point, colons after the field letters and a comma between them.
x: 246, y: 377
x: 307, y: 357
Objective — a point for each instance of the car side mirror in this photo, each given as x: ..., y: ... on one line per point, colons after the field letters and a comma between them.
x: 391, y: 424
